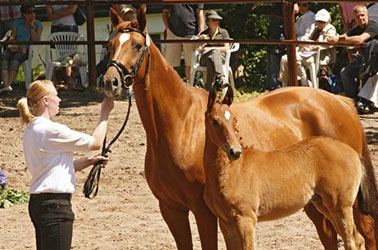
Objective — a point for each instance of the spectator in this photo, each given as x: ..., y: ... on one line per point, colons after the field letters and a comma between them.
x: 24, y: 29
x: 48, y: 149
x: 213, y: 54
x: 275, y: 32
x: 347, y: 18
x: 8, y: 13
x: 364, y: 31
x: 182, y: 21
x: 306, y: 54
x: 126, y: 11
x: 63, y: 21
x: 305, y: 22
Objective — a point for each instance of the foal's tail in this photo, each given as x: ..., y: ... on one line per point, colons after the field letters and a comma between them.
x: 368, y: 193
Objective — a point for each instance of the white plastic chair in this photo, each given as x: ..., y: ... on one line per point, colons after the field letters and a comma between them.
x: 27, y: 64
x: 62, y: 51
x: 195, y: 65
x: 314, y: 67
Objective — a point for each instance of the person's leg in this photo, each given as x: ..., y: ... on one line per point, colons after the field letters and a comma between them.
x: 188, y: 49
x: 348, y: 76
x: 173, y: 51
x: 210, y: 70
x: 217, y: 60
x: 284, y: 71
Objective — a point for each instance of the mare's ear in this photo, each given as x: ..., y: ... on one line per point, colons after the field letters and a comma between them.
x: 229, y: 97
x: 212, y: 98
x: 141, y: 17
x: 115, y: 18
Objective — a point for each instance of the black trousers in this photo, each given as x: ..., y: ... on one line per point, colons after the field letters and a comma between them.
x: 52, y: 217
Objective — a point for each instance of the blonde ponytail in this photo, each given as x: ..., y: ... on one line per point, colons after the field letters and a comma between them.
x: 26, y: 115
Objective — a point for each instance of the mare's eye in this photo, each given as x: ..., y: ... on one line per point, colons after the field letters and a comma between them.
x: 138, y: 46
x: 215, y: 123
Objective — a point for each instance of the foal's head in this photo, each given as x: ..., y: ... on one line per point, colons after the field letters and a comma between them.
x: 221, y: 124
x: 128, y: 52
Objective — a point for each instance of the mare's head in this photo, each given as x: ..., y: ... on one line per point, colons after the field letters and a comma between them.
x: 221, y: 124
x: 128, y: 52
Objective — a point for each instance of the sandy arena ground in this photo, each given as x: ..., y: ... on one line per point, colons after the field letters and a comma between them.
x: 125, y: 214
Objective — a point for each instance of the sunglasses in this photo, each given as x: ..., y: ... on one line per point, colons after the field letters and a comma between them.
x: 213, y: 20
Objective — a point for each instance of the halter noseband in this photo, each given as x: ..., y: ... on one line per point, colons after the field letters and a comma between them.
x: 127, y: 77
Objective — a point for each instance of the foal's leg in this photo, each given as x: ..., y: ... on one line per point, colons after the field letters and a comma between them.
x: 230, y: 234
x: 246, y: 229
x: 341, y: 216
x: 207, y: 225
x: 326, y: 232
x: 177, y: 220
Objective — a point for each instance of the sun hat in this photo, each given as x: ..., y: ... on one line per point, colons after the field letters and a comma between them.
x: 213, y: 14
x: 323, y: 16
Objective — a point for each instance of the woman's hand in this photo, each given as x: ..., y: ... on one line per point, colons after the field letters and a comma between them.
x: 94, y: 159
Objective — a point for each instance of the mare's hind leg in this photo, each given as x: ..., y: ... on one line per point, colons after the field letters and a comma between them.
x: 207, y: 226
x: 326, y: 232
x: 177, y: 219
x: 365, y: 225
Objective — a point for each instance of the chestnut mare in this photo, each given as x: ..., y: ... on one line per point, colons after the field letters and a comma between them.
x: 245, y: 186
x: 172, y: 115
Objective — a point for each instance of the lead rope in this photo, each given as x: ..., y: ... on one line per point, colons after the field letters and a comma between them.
x: 93, y: 180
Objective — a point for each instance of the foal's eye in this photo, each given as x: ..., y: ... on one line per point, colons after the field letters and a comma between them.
x: 215, y: 123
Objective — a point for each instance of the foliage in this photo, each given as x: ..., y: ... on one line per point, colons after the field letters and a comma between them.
x: 10, y: 197
x: 251, y: 21
x: 21, y: 74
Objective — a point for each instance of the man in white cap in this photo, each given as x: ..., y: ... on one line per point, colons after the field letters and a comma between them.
x: 320, y: 32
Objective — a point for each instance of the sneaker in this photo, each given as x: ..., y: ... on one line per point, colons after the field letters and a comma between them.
x: 363, y: 108
x: 6, y: 89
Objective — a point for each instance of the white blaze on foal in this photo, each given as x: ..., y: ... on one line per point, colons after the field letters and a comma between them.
x: 227, y: 115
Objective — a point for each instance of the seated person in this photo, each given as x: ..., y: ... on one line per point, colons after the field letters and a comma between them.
x: 24, y: 29
x: 306, y: 53
x: 306, y: 20
x: 364, y: 31
x: 213, y: 54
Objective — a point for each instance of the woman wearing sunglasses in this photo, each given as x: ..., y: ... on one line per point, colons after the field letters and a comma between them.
x: 27, y: 28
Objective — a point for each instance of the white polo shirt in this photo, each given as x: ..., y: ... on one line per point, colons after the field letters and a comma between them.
x: 48, y: 150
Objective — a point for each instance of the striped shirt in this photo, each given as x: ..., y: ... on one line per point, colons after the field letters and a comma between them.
x: 9, y: 12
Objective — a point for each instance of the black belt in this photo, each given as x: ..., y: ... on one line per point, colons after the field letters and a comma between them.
x: 51, y: 196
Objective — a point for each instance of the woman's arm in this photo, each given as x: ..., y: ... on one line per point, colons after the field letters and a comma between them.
x: 100, y: 130
x: 85, y: 162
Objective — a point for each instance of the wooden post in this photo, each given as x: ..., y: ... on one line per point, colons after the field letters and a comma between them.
x: 91, y: 44
x: 289, y: 18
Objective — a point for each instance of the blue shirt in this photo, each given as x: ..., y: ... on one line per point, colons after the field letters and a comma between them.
x: 21, y: 34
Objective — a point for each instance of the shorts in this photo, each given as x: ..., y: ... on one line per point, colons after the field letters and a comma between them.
x: 173, y: 50
x: 12, y: 60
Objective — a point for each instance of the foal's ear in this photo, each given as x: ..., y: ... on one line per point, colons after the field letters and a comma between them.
x: 229, y: 97
x: 212, y: 98
x: 141, y: 17
x: 114, y: 17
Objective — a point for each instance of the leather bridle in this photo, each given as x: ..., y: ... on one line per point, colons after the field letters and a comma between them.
x: 127, y: 77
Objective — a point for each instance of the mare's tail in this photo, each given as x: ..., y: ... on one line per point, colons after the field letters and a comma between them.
x: 368, y: 193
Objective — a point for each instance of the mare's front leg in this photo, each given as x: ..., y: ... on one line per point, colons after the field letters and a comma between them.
x: 327, y: 234
x: 207, y: 225
x: 177, y: 219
